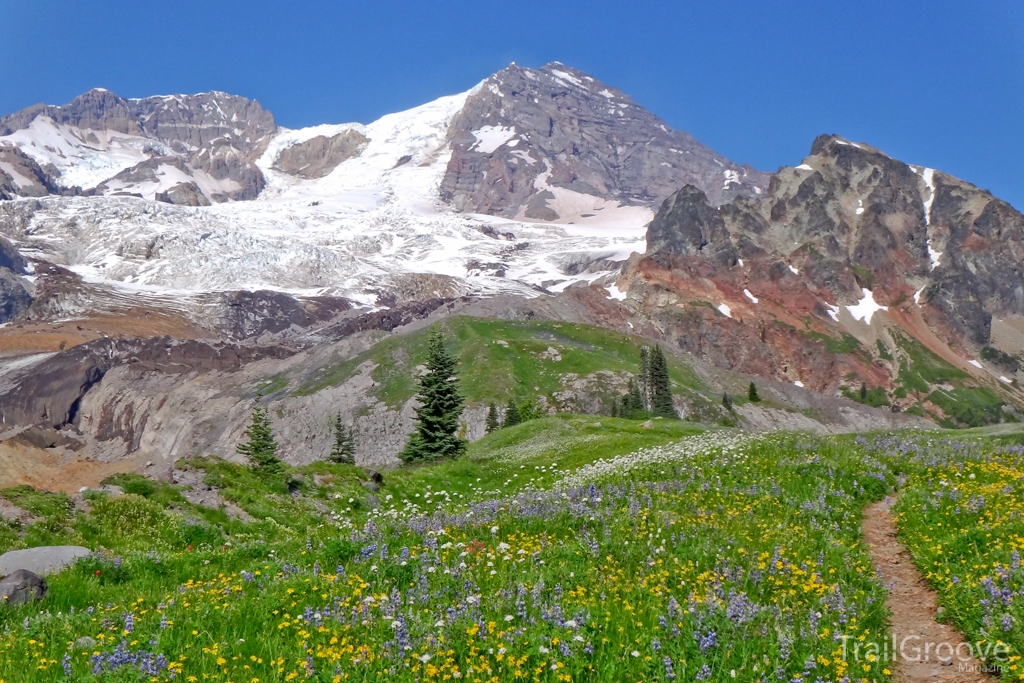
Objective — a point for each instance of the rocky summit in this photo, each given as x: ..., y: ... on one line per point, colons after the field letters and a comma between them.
x: 167, y: 263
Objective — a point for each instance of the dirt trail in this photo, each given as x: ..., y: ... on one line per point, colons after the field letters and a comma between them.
x: 929, y: 649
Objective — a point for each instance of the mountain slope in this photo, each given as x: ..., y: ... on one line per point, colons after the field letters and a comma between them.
x: 852, y: 267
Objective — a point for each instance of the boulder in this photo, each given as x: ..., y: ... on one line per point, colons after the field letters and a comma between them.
x: 375, y: 476
x: 20, y: 587
x: 371, y: 486
x: 42, y: 560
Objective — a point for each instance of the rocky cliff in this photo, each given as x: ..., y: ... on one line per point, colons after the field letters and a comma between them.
x: 107, y: 144
x: 845, y: 255
x: 555, y: 143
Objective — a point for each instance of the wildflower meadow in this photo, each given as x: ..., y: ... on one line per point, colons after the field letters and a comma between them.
x: 710, y: 556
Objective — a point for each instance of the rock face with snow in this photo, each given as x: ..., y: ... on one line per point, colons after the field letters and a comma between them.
x: 555, y: 143
x: 106, y: 144
x: 850, y: 242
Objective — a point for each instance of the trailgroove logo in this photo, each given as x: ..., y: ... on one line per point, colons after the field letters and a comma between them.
x: 983, y: 656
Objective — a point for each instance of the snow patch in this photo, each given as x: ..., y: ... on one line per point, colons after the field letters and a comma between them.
x: 490, y: 138
x: 746, y: 292
x: 725, y: 310
x: 866, y: 308
x: 615, y: 293
x: 799, y: 384
x: 794, y: 270
x: 804, y: 167
x: 975, y: 364
x: 833, y: 311
x: 1003, y: 378
x: 731, y: 178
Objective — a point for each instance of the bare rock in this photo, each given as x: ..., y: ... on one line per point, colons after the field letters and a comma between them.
x: 317, y: 157
x: 22, y: 586
x: 183, y: 194
x: 371, y: 486
x: 42, y: 560
x: 375, y: 476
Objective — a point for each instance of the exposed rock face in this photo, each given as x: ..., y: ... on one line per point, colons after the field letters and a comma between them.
x: 754, y: 284
x: 216, y: 136
x: 543, y: 143
x: 184, y: 194
x: 15, y: 298
x: 51, y: 392
x: 318, y: 156
x: 21, y: 175
x: 250, y: 314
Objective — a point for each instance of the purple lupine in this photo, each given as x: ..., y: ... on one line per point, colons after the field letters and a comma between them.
x: 66, y: 664
x: 704, y: 673
x: 669, y: 671
x: 706, y: 641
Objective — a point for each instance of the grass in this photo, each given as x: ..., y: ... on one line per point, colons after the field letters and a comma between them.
x: 500, y: 359
x: 701, y: 555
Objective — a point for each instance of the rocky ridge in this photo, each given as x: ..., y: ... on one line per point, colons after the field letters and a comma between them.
x: 850, y: 243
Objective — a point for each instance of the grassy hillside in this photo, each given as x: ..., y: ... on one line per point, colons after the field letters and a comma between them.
x: 500, y: 359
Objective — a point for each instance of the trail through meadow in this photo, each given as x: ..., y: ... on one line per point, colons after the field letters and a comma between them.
x: 928, y: 648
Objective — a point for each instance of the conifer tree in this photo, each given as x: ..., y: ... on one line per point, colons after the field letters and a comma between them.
x: 752, y: 393
x: 726, y: 401
x: 645, y: 376
x: 512, y: 414
x: 493, y: 421
x: 661, y: 386
x: 863, y: 392
x: 437, y: 417
x: 261, y: 448
x: 631, y: 406
x: 344, y: 449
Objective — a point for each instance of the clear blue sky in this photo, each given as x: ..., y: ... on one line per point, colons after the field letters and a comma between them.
x: 935, y: 83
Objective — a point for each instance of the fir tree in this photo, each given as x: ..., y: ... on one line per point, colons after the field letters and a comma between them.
x: 863, y: 392
x: 261, y: 449
x: 512, y: 414
x: 437, y: 418
x: 631, y: 406
x: 661, y: 386
x: 752, y: 393
x: 493, y: 421
x: 344, y: 449
x: 645, y: 376
x: 726, y: 401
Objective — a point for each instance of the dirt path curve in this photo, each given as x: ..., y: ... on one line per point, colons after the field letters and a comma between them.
x: 928, y: 648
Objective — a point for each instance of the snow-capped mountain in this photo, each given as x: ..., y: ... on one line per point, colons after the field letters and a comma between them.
x: 534, y: 178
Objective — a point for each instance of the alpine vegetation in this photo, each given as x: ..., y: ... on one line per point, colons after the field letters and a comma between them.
x: 437, y: 417
x: 261, y: 448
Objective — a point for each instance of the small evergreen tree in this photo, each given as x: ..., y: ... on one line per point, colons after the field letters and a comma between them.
x: 752, y: 393
x: 512, y: 414
x: 726, y: 401
x: 493, y: 421
x: 661, y: 386
x: 437, y: 417
x: 631, y: 405
x: 344, y: 449
x: 645, y: 376
x: 261, y: 448
x: 863, y: 392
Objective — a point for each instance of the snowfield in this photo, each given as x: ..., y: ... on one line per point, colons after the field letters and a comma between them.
x: 375, y: 217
